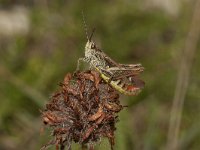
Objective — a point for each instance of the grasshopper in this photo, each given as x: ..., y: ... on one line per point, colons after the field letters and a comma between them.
x: 122, y: 77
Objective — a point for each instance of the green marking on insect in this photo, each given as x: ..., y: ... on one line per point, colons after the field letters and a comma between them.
x: 124, y: 88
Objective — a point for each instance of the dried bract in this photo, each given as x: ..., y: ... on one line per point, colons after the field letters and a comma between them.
x: 83, y: 111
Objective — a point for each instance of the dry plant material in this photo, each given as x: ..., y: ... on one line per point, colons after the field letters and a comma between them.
x: 83, y: 111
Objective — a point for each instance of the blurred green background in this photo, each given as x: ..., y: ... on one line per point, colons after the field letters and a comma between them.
x: 40, y: 41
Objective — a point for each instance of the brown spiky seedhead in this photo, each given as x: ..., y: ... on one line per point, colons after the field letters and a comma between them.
x: 83, y: 111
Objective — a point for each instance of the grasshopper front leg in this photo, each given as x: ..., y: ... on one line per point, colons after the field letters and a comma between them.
x: 78, y: 63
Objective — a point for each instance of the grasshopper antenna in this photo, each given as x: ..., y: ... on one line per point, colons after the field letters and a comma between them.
x: 85, y: 25
x: 92, y: 34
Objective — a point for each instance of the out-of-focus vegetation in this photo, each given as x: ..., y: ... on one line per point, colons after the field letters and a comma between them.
x: 40, y: 41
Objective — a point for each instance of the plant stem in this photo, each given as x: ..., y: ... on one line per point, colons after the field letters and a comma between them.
x: 183, y: 79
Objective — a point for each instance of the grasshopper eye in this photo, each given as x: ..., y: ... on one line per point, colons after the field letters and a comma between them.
x: 93, y: 46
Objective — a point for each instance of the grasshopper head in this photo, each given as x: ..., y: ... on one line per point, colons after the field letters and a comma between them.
x: 90, y: 48
x: 90, y: 45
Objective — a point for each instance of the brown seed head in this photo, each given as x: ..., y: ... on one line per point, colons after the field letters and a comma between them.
x: 84, y: 110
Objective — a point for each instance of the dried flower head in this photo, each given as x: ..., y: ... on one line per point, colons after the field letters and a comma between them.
x: 84, y: 110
